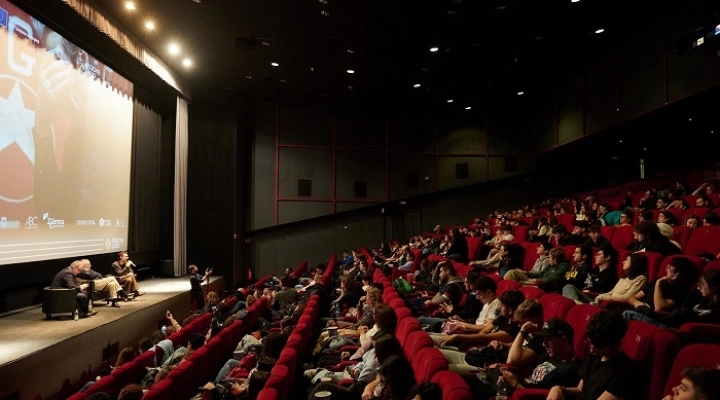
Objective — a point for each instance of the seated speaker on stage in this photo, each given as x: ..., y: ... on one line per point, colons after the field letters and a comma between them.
x: 122, y: 269
x: 103, y: 284
x: 66, y: 279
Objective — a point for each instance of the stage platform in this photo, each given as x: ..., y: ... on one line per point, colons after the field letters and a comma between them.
x: 39, y: 356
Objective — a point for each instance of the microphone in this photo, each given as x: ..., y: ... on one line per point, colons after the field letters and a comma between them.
x: 130, y: 263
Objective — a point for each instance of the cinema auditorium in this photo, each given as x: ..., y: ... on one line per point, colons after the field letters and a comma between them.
x: 359, y: 199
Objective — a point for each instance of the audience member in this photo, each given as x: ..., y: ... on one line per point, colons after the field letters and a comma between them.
x: 599, y: 280
x: 697, y: 384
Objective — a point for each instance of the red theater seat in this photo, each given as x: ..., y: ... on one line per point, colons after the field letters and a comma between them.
x: 655, y: 348
x: 622, y: 237
x: 694, y: 355
x: 530, y: 254
x: 452, y: 385
x: 555, y: 305
x: 532, y: 292
x: 607, y: 232
x: 704, y: 239
x: 268, y: 394
x: 507, y: 285
x: 415, y: 342
x: 428, y: 362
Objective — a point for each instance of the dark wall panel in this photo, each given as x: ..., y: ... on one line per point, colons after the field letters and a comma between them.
x: 641, y: 75
x: 365, y: 133
x: 312, y: 164
x: 263, y: 182
x: 305, y: 127
x: 601, y: 96
x: 295, y: 211
x: 360, y: 166
x: 459, y: 136
x: 570, y: 115
x: 510, y: 128
x: 695, y: 69
x: 403, y: 164
x: 525, y: 165
x: 417, y: 134
x: 545, y: 117
x: 447, y: 169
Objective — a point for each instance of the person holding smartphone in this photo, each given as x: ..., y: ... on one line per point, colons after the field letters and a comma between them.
x: 196, y: 281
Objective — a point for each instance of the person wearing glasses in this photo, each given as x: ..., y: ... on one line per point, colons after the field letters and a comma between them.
x: 607, y: 372
x: 626, y: 218
x: 702, y: 305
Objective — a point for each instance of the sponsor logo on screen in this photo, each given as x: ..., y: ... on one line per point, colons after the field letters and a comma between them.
x: 105, y: 223
x: 31, y: 223
x: 85, y: 222
x: 52, y: 222
x: 119, y: 223
x: 116, y: 243
x: 3, y: 222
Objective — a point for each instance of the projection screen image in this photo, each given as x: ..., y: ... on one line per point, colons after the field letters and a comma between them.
x: 65, y: 146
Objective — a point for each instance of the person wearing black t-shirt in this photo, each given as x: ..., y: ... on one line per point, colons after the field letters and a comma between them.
x: 668, y: 292
x: 196, y: 281
x: 607, y: 372
x: 558, y: 365
x: 600, y: 280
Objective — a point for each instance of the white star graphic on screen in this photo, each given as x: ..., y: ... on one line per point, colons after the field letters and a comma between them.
x: 17, y: 123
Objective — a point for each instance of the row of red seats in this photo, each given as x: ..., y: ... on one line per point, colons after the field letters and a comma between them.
x: 283, y: 373
x: 429, y: 364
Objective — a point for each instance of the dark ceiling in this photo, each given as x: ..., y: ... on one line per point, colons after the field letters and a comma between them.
x: 488, y: 49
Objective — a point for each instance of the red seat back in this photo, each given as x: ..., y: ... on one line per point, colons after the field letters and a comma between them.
x: 655, y: 348
x: 427, y: 363
x: 415, y: 342
x: 530, y: 254
x: 452, y: 385
x: 704, y: 239
x: 607, y: 232
x: 699, y: 211
x: 681, y: 234
x: 568, y: 220
x: 654, y: 261
x: 622, y: 237
x: 578, y: 318
x: 475, y: 245
x: 555, y: 305
x: 694, y: 355
x: 532, y: 292
x: 507, y: 285
x: 521, y: 233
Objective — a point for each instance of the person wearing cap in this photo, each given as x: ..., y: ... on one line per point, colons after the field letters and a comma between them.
x: 607, y: 373
x: 558, y: 364
x: 579, y: 234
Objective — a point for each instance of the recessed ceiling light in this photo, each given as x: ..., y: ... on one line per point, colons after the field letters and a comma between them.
x: 417, y: 85
x: 574, y: 1
x: 312, y: 69
x: 350, y: 87
x: 601, y: 30
x: 265, y: 43
x: 248, y: 76
x: 351, y: 71
x: 196, y: 1
x: 450, y: 100
x: 274, y: 64
x: 350, y: 51
x: 130, y: 5
x: 434, y: 49
x: 521, y: 93
x: 186, y: 62
x: 283, y: 80
x: 325, y: 13
x: 174, y: 48
x: 149, y: 25
x: 468, y: 108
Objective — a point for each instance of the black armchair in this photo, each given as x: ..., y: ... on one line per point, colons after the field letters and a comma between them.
x: 57, y: 301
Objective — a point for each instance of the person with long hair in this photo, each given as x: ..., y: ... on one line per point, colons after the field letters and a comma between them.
x: 702, y: 305
x: 395, y: 380
x: 649, y: 238
x: 633, y: 280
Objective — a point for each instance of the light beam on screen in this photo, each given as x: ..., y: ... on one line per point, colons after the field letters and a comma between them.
x: 66, y: 137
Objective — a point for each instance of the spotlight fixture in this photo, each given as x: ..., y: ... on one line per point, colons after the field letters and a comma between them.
x: 434, y: 49
x: 601, y: 30
x: 350, y: 71
x: 149, y: 25
x: 274, y: 64
x: 174, y: 48
x: 187, y: 63
x: 130, y: 5
x: 417, y: 85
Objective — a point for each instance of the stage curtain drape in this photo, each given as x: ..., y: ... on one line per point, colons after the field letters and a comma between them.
x: 180, y: 199
x: 145, y: 188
